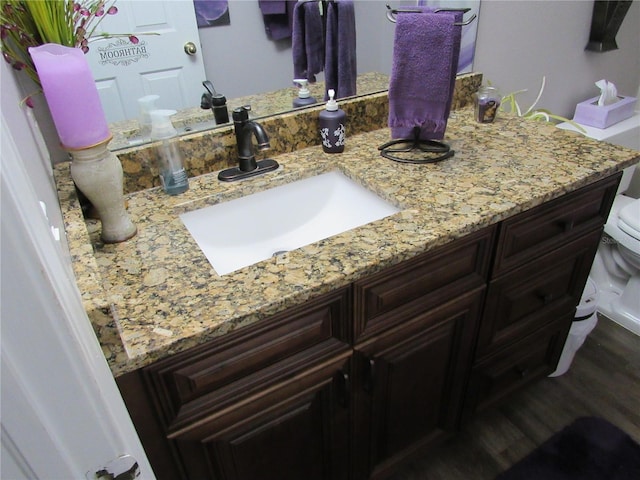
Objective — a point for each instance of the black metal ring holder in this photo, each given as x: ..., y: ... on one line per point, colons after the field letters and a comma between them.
x: 438, y: 150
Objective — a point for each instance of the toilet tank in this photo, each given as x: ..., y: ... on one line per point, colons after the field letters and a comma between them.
x: 625, y: 134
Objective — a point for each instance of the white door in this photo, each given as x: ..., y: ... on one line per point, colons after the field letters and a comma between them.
x: 61, y: 415
x: 157, y: 65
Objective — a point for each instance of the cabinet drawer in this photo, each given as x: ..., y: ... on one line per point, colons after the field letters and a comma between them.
x: 187, y: 385
x: 403, y: 291
x: 533, y: 357
x: 535, y: 294
x: 529, y: 234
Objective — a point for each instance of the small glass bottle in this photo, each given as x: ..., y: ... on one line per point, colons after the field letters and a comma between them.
x: 487, y: 101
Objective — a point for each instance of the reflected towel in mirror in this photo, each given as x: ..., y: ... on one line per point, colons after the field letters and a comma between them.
x: 307, y: 41
x: 340, y: 68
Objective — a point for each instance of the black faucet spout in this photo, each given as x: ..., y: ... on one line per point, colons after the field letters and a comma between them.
x: 246, y: 155
x: 245, y: 131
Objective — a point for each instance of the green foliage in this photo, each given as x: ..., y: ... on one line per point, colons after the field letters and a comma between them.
x: 510, y: 104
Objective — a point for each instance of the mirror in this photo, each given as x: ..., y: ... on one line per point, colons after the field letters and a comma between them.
x: 249, y: 68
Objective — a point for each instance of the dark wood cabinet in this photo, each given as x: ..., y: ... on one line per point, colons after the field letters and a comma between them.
x: 515, y: 366
x: 528, y: 297
x: 298, y: 429
x: 351, y: 383
x: 269, y: 401
x: 390, y: 297
x: 410, y: 383
x: 542, y: 262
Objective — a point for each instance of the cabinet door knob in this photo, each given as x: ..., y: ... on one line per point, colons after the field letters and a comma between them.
x: 523, y: 372
x: 369, y: 376
x: 344, y: 389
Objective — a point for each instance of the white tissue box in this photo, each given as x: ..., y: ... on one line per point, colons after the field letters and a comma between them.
x: 589, y: 113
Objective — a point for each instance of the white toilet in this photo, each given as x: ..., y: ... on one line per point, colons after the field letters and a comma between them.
x: 616, y: 268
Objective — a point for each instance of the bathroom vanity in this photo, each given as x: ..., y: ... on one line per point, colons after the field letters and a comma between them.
x: 346, y: 357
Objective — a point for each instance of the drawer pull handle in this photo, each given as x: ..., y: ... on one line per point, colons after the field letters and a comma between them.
x: 547, y: 298
x: 567, y: 225
x: 523, y: 372
x: 370, y: 376
x: 344, y: 390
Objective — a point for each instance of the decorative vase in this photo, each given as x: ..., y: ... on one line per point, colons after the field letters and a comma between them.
x: 97, y: 173
x: 77, y: 113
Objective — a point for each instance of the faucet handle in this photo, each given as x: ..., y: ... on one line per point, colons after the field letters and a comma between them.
x: 206, y: 101
x: 241, y: 114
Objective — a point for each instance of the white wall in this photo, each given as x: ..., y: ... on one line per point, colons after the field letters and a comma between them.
x: 520, y: 41
x: 27, y: 136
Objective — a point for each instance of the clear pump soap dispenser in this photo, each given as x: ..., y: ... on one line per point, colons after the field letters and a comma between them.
x: 146, y: 105
x: 333, y: 126
x: 172, y: 173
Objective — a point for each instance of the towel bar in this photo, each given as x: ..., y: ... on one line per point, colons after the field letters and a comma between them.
x: 391, y: 13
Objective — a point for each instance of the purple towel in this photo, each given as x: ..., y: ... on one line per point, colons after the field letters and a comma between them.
x: 423, y: 73
x: 278, y: 18
x: 307, y: 41
x: 340, y: 68
x: 272, y: 7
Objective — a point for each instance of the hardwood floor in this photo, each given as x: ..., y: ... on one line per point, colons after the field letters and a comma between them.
x: 604, y: 381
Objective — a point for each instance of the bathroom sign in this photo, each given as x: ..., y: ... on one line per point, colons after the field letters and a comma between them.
x: 122, y: 52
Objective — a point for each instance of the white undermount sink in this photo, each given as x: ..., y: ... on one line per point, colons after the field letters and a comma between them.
x: 250, y: 229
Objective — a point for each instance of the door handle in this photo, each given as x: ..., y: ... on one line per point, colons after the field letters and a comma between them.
x: 124, y: 467
x: 190, y: 48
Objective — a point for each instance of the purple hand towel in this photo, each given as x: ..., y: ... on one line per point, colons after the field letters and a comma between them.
x: 423, y: 73
x: 307, y: 41
x: 340, y: 68
x: 272, y: 7
x: 277, y: 16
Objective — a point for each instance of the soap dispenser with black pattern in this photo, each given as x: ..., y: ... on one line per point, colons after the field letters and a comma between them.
x: 333, y: 126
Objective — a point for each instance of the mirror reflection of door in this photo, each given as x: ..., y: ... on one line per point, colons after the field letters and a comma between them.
x: 157, y: 65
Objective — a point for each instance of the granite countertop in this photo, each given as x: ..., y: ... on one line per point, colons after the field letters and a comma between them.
x: 157, y: 294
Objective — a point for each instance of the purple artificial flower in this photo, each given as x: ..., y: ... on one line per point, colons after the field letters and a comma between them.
x: 112, y: 10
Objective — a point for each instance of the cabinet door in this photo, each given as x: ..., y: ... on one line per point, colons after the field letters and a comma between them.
x: 297, y: 431
x: 409, y: 383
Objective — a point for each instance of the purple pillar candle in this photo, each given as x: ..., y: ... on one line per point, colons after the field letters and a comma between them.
x: 72, y: 95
